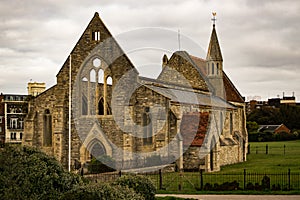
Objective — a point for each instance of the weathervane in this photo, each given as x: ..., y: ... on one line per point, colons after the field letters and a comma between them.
x: 214, y: 19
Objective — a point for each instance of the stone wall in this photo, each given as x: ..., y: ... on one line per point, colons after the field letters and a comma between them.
x: 230, y: 155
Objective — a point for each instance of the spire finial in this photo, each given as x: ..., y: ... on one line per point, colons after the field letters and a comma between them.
x: 214, y: 19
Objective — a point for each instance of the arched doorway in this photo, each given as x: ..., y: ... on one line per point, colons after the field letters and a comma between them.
x: 97, y: 149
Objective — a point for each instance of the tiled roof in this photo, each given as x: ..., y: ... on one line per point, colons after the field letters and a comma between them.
x: 232, y: 94
x: 193, y: 128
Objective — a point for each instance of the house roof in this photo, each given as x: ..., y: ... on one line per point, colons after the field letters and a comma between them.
x: 270, y: 128
x: 193, y: 128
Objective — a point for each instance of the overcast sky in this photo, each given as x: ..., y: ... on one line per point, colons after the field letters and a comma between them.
x: 260, y: 39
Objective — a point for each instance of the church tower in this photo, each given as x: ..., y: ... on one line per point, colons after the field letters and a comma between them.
x: 214, y: 62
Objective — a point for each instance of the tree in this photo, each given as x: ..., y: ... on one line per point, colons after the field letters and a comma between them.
x: 28, y: 173
x: 252, y: 126
x: 288, y: 115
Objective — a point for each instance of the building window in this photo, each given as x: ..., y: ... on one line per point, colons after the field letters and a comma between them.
x: 47, y: 139
x: 221, y: 122
x: 147, y: 126
x: 212, y: 68
x: 92, y: 76
x: 109, y: 81
x: 230, y: 123
x: 96, y: 36
x: 101, y: 107
x: 217, y: 68
x: 21, y: 124
x: 13, y: 123
x: 101, y: 76
x: 13, y: 135
x: 21, y: 136
x: 96, y: 62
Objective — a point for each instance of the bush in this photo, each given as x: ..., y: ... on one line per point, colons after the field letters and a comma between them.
x: 101, y: 191
x: 140, y: 184
x: 28, y: 173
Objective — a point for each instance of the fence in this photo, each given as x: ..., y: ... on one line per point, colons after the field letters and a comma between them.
x: 268, y: 149
x: 201, y: 181
x: 189, y: 181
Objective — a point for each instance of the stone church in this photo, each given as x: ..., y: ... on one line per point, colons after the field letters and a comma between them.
x: 191, y: 115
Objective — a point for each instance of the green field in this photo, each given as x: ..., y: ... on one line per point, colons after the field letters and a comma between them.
x: 274, y: 161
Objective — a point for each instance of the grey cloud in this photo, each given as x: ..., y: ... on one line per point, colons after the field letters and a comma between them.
x: 256, y: 36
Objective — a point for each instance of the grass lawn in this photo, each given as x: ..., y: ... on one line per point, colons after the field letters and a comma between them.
x: 274, y: 161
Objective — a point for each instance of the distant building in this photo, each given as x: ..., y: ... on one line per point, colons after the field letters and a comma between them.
x: 273, y: 102
x: 274, y: 128
x: 288, y: 100
x: 35, y: 88
x: 13, y: 110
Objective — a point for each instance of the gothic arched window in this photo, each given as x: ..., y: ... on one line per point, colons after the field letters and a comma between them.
x: 230, y: 123
x: 147, y: 126
x: 47, y: 122
x: 92, y: 76
x: 101, y: 76
x: 101, y: 106
x: 109, y: 81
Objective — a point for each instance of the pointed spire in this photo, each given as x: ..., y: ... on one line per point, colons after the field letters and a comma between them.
x: 214, y: 50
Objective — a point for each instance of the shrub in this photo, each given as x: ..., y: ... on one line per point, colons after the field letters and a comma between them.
x: 27, y: 173
x: 101, y: 191
x: 140, y: 184
x: 250, y: 186
x: 208, y: 187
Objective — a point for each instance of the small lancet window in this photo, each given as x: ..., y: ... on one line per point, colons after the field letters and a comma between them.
x: 101, y: 76
x: 92, y: 76
x: 47, y: 122
x: 101, y: 107
x: 96, y: 36
x: 147, y: 126
x: 218, y: 68
x: 230, y: 123
x: 212, y: 68
x: 109, y: 81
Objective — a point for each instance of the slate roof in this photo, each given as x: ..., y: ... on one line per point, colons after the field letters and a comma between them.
x: 182, y: 95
